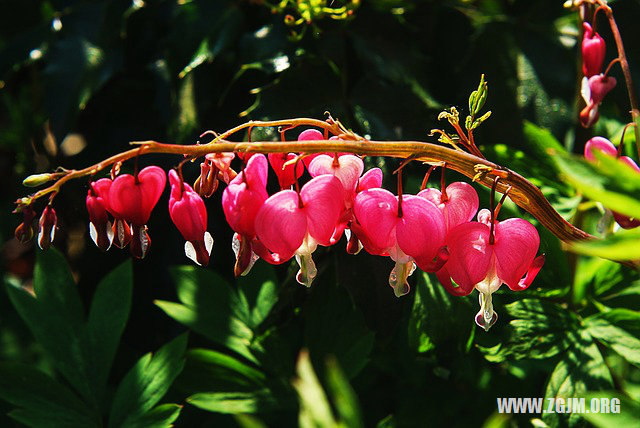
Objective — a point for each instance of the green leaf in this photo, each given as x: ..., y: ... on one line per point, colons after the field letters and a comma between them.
x: 234, y: 402
x: 612, y: 183
x: 42, y: 401
x: 343, y: 396
x: 621, y: 341
x: 207, y: 367
x: 433, y: 313
x: 628, y: 415
x: 539, y: 330
x: 210, y: 307
x: 315, y: 410
x: 582, y: 369
x: 333, y: 326
x: 623, y: 245
x: 106, y: 320
x: 162, y: 416
x: 55, y: 318
x: 260, y: 289
x: 147, y: 382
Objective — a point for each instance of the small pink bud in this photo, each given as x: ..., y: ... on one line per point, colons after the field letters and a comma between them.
x: 189, y: 214
x: 48, y: 224
x: 593, y: 51
x: 100, y: 228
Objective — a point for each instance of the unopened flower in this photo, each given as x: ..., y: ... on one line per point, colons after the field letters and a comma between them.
x: 593, y: 51
x: 100, y: 228
x: 48, y: 225
x: 241, y: 201
x: 189, y: 214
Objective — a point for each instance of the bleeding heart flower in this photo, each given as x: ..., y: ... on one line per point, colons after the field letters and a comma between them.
x: 605, y: 146
x: 285, y: 173
x: 370, y: 180
x: 241, y: 201
x: 132, y: 199
x: 593, y: 51
x: 189, y: 214
x: 593, y: 91
x: 477, y: 261
x: 414, y: 234
x: 222, y: 162
x: 48, y: 224
x: 310, y: 135
x: 458, y: 205
x: 100, y: 228
x: 289, y: 223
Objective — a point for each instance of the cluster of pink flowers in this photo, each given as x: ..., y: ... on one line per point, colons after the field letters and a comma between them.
x: 595, y: 84
x: 432, y: 230
x: 606, y: 147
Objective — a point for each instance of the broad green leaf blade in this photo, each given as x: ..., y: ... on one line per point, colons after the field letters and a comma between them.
x: 315, y: 410
x: 55, y: 318
x: 612, y: 183
x: 106, y: 321
x: 623, y: 245
x: 234, y: 402
x: 147, y: 382
x: 621, y: 341
x: 333, y: 326
x: 224, y: 367
x: 42, y: 401
x: 260, y: 288
x: 582, y: 369
x: 627, y: 416
x: 210, y: 307
x: 343, y: 396
x: 162, y: 416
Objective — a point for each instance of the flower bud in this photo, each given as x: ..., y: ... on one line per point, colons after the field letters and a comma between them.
x: 593, y: 51
x: 25, y: 231
x: 38, y: 179
x: 48, y: 225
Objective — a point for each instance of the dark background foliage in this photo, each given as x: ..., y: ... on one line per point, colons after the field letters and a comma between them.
x: 79, y: 80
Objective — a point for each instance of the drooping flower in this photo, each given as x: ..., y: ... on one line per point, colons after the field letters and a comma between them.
x: 222, y: 162
x: 605, y: 146
x: 100, y: 228
x: 593, y: 51
x: 132, y: 199
x: 48, y: 225
x: 478, y: 260
x: 416, y: 233
x: 310, y: 135
x: 241, y: 201
x: 291, y: 223
x: 458, y: 205
x: 593, y: 91
x: 189, y: 214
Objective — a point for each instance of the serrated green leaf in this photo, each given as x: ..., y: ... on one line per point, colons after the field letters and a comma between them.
x: 147, y: 382
x: 580, y: 370
x: 621, y: 341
